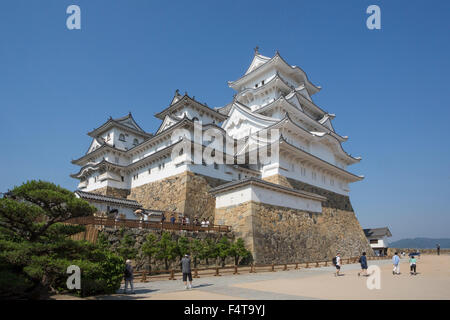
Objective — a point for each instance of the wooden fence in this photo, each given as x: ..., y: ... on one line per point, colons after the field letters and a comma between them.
x: 129, y: 223
x: 175, y: 274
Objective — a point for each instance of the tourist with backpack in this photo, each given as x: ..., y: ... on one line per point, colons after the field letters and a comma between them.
x: 128, y: 276
x: 337, y: 263
x: 363, y: 262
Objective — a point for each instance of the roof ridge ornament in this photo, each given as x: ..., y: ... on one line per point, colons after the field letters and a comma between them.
x: 256, y: 49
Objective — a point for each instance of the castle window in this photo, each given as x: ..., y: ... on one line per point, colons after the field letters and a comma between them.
x: 121, y: 177
x: 194, y: 119
x: 262, y: 82
x: 216, y: 166
x: 332, y: 182
x: 122, y: 137
x: 303, y: 171
x: 149, y: 170
x: 239, y: 176
x: 181, y: 152
x: 135, y: 142
x: 314, y: 175
x: 136, y: 176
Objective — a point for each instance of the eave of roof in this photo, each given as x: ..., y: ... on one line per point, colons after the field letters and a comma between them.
x: 313, y: 87
x: 116, y: 122
x: 185, y: 98
x: 341, y: 171
x: 97, y: 197
x: 377, y: 232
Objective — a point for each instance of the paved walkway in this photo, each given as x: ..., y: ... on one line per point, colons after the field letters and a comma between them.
x: 431, y: 282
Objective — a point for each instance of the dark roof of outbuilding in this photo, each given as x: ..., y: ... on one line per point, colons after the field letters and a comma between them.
x: 377, y: 232
x: 98, y: 197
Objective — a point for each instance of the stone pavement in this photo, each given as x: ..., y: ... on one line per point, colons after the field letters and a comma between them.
x: 228, y: 286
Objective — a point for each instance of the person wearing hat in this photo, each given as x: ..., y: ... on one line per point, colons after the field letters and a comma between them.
x: 186, y: 270
x: 128, y: 276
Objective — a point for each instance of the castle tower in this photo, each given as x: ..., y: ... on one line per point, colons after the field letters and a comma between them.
x: 292, y: 207
x: 319, y: 220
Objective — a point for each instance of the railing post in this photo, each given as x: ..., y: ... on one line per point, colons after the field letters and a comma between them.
x: 251, y: 269
x: 172, y: 275
x: 196, y: 273
x: 235, y: 270
x: 217, y: 272
x: 296, y: 266
x: 285, y: 267
x: 144, y: 276
x: 273, y: 268
x: 307, y: 265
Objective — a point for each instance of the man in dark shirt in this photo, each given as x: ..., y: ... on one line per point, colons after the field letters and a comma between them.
x: 438, y: 248
x: 363, y: 262
x: 186, y: 270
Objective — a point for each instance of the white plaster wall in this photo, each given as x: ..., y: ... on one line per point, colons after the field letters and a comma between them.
x: 267, y: 196
x: 323, y: 152
x: 293, y: 169
x: 103, y: 207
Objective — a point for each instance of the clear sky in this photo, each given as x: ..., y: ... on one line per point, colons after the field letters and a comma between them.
x: 389, y: 88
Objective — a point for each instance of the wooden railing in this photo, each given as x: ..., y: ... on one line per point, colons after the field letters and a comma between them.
x: 129, y: 223
x: 174, y: 274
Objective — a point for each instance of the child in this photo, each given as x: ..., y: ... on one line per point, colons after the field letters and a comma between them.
x: 412, y: 265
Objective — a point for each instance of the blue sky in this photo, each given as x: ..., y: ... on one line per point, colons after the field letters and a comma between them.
x: 389, y: 88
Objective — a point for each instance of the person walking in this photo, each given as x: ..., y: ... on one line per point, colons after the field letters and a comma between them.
x: 396, y: 263
x: 412, y: 265
x: 438, y: 249
x: 363, y: 262
x: 172, y: 219
x: 186, y: 270
x: 337, y: 263
x: 128, y: 275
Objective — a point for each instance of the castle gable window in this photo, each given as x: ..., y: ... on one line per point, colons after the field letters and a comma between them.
x: 135, y: 142
x: 122, y: 137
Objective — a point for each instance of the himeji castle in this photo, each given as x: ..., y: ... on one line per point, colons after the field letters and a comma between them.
x: 295, y: 204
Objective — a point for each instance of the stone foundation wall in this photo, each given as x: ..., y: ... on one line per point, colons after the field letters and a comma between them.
x: 240, y: 218
x: 112, y: 192
x: 199, y: 202
x: 299, y: 236
x: 277, y: 234
x: 186, y: 192
x: 167, y: 194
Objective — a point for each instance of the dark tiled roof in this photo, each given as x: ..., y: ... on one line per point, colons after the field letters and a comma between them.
x: 377, y: 232
x: 98, y: 197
